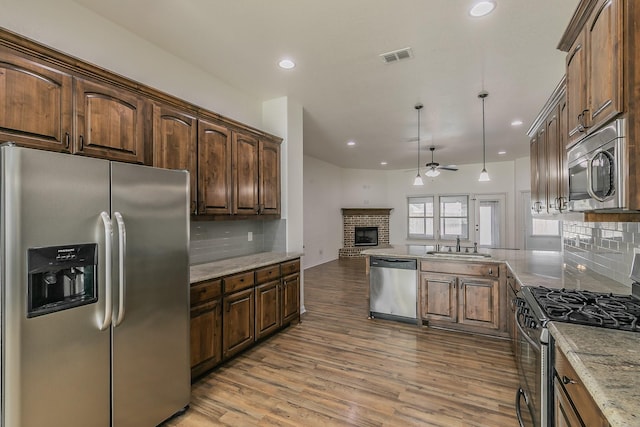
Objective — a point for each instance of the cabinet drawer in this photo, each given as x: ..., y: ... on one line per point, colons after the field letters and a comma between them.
x: 205, y: 291
x: 460, y: 268
x: 290, y: 267
x: 577, y: 392
x: 267, y: 274
x: 238, y: 282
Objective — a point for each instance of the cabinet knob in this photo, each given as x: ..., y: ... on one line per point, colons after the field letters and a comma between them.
x: 491, y: 271
x: 81, y: 138
x: 66, y: 140
x: 567, y: 380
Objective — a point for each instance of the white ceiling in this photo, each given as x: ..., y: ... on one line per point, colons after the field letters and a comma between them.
x: 348, y: 92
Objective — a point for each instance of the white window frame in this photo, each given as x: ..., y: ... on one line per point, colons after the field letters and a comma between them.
x: 465, y: 234
x: 437, y: 226
x: 422, y: 199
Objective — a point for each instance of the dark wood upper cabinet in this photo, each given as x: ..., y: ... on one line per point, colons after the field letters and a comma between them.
x: 269, y: 177
x: 595, y: 64
x: 110, y: 122
x: 214, y: 168
x: 548, y: 156
x: 577, y: 89
x: 256, y: 176
x: 36, y: 103
x: 553, y: 161
x: 246, y: 179
x: 175, y: 136
x: 604, y: 39
x: 51, y: 101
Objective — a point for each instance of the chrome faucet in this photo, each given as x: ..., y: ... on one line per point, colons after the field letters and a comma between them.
x: 458, y: 244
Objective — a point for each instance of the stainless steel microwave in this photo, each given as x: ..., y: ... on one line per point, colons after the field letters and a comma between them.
x: 597, y: 169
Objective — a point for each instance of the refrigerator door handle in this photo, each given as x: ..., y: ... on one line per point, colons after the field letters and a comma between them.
x: 108, y: 304
x: 122, y: 285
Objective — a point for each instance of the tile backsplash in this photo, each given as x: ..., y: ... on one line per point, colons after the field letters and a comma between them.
x: 216, y: 240
x: 604, y: 247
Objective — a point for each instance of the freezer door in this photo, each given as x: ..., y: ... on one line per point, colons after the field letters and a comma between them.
x: 56, y: 367
x: 151, y: 377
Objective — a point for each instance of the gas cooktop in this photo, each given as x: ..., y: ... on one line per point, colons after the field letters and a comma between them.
x: 589, y: 308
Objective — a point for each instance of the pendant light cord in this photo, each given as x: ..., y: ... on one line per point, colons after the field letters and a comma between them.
x: 484, y: 150
x: 418, y: 108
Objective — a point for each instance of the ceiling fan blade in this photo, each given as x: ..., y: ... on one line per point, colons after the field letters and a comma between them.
x: 448, y: 168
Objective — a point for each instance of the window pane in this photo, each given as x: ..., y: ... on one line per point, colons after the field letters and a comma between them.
x: 429, y: 227
x: 416, y: 226
x: 453, y: 206
x: 416, y: 209
x: 421, y: 217
x: 429, y: 208
x: 545, y: 227
x: 486, y: 225
x: 454, y: 219
x: 454, y: 227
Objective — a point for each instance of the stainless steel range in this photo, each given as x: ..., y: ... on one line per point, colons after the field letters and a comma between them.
x: 536, y: 306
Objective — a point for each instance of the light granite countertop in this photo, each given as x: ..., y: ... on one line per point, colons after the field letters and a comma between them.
x: 533, y: 268
x: 608, y: 364
x: 224, y: 267
x: 607, y: 361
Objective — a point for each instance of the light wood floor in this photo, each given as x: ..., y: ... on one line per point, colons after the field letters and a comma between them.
x: 337, y: 368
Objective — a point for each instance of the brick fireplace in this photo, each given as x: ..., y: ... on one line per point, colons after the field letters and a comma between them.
x: 363, y: 219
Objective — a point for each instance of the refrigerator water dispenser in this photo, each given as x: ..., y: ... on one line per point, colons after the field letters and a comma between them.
x: 61, y: 277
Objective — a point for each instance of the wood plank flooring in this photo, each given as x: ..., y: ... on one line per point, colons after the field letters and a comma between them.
x: 338, y: 368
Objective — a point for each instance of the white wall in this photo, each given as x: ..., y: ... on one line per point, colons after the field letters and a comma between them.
x: 283, y: 116
x: 68, y: 27
x: 325, y: 195
x: 322, y: 215
x: 364, y: 188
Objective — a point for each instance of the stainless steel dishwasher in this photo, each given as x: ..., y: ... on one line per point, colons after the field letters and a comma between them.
x: 393, y: 288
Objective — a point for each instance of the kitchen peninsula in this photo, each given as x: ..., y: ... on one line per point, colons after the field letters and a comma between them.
x: 605, y: 360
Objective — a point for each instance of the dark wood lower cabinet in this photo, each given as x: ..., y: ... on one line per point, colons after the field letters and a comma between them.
x: 479, y: 302
x: 268, y: 318
x: 574, y: 406
x: 206, y: 336
x: 465, y: 296
x: 238, y: 321
x: 229, y: 314
x: 291, y: 298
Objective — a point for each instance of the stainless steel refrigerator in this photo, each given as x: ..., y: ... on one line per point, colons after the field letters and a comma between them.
x: 95, y: 280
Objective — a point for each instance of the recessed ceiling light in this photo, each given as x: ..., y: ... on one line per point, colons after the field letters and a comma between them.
x: 287, y: 64
x: 383, y: 163
x: 516, y: 123
x: 351, y: 143
x: 502, y: 152
x: 482, y: 8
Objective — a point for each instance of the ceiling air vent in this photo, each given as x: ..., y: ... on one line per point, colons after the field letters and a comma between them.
x: 397, y: 55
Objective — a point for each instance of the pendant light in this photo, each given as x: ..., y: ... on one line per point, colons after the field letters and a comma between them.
x: 418, y: 180
x: 484, y: 175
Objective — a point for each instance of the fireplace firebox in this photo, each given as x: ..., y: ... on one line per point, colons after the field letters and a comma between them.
x: 366, y: 236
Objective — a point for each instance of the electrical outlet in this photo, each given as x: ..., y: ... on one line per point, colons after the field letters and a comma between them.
x: 250, y: 236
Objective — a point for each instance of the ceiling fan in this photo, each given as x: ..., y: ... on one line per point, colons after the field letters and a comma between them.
x: 433, y: 168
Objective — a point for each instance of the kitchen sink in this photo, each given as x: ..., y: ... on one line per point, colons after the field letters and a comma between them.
x: 468, y: 255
